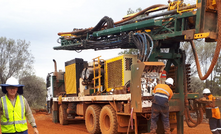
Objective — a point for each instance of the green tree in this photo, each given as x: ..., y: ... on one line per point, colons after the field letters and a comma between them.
x: 129, y: 51
x: 189, y: 56
x: 206, y: 55
x: 218, y: 68
x: 34, y: 91
x: 15, y: 58
x: 205, y: 52
x: 130, y: 11
x: 214, y: 86
x: 197, y: 85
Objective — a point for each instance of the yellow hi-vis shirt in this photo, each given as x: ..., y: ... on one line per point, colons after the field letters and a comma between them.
x: 13, y: 118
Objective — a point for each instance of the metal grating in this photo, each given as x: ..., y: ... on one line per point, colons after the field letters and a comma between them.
x: 173, y: 74
x: 114, y: 73
x: 128, y: 63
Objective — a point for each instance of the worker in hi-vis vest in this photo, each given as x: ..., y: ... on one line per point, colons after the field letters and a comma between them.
x: 14, y: 109
x: 212, y: 113
x: 160, y: 106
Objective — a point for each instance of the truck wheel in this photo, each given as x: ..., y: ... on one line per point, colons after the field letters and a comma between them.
x: 63, y: 114
x: 92, y: 119
x: 108, y: 120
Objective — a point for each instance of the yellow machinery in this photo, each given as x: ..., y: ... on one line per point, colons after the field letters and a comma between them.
x: 73, y: 70
x: 118, y: 71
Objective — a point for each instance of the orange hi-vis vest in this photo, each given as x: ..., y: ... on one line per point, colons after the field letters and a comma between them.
x: 162, y: 94
x: 163, y: 89
x: 213, y: 112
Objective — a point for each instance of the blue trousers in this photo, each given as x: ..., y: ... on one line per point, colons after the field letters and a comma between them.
x: 215, y: 125
x: 25, y: 132
x: 162, y: 111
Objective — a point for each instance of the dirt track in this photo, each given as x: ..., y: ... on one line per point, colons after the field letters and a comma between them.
x: 46, y: 126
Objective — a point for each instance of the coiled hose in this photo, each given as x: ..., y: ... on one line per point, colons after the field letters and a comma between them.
x: 218, y: 46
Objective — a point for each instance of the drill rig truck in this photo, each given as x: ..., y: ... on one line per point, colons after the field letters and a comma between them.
x: 115, y: 95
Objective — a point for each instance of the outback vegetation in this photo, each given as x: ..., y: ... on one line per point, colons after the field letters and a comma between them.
x: 17, y: 61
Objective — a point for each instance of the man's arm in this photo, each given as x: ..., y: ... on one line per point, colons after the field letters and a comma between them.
x: 28, y: 114
x: 171, y: 94
x: 30, y: 117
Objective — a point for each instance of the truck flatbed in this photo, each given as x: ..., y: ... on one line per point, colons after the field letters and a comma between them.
x: 117, y: 97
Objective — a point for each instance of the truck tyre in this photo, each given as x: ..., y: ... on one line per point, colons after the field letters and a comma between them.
x: 63, y: 114
x: 108, y: 120
x: 92, y: 119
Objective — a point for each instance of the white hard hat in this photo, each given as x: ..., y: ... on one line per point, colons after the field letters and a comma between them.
x: 12, y: 81
x: 169, y: 81
x: 206, y: 91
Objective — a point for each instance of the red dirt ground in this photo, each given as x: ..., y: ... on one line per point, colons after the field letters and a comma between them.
x: 46, y: 126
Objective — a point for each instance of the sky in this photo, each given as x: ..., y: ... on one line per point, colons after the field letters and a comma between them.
x: 39, y: 21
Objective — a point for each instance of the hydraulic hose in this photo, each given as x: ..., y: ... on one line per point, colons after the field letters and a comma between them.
x: 102, y: 22
x: 151, y: 42
x: 140, y: 13
x: 189, y: 120
x: 136, y: 40
x: 147, y: 46
x: 199, y: 112
x: 129, y: 18
x: 142, y: 41
x: 217, y: 51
